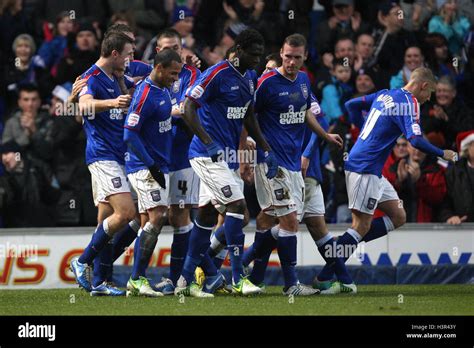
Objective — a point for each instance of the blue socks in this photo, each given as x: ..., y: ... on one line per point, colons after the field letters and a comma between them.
x: 179, y: 248
x: 103, y: 265
x: 198, y: 244
x: 124, y: 238
x: 325, y: 246
x: 235, y: 243
x: 99, y: 239
x: 287, y: 253
x: 379, y: 228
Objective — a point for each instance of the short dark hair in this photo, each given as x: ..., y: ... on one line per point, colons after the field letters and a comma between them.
x: 274, y: 56
x: 249, y: 37
x: 118, y: 28
x: 114, y: 41
x: 28, y: 88
x: 296, y: 40
x: 166, y: 57
x: 168, y: 33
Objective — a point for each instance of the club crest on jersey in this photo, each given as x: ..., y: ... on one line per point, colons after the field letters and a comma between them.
x: 155, y: 196
x: 304, y: 90
x: 117, y: 182
x: 133, y: 119
x: 176, y: 85
x: 251, y: 87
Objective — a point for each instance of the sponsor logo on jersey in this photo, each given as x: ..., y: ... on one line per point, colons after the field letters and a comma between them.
x: 133, y: 119
x: 281, y: 94
x: 236, y: 112
x: 197, y: 92
x: 110, y: 90
x: 292, y: 116
x: 233, y: 88
x: 116, y: 114
x: 165, y: 126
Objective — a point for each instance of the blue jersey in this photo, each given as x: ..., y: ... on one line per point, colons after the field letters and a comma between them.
x: 281, y: 105
x: 223, y: 95
x: 181, y: 136
x: 104, y: 130
x: 137, y: 68
x: 150, y: 115
x: 311, y: 140
x: 392, y: 112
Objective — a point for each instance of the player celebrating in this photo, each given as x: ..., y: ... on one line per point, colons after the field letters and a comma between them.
x: 184, y: 183
x: 392, y: 112
x: 105, y: 154
x: 148, y: 137
x: 283, y: 102
x: 223, y: 99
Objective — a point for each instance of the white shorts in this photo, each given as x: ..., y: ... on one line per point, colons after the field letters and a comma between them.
x: 281, y: 195
x: 219, y: 185
x: 313, y: 198
x: 184, y: 187
x: 149, y: 193
x: 108, y: 178
x: 366, y: 191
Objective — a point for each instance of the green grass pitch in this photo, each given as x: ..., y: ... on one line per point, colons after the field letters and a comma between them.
x: 371, y: 300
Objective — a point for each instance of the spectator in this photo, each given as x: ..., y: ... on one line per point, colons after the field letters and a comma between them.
x: 13, y: 22
x: 413, y: 59
x: 364, y: 50
x: 345, y: 23
x: 344, y: 49
x: 392, y: 41
x: 450, y: 24
x: 69, y: 166
x: 416, y: 13
x: 30, y: 127
x: 422, y: 186
x: 448, y: 116
x: 458, y: 207
x: 51, y: 52
x: 392, y: 165
x: 338, y: 92
x: 19, y: 70
x: 364, y: 82
x: 83, y: 55
x: 438, y: 58
x: 27, y: 195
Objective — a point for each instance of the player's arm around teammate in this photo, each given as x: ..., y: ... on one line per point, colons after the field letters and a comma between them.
x: 148, y: 138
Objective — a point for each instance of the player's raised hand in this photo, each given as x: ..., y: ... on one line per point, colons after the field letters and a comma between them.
x: 335, y: 139
x: 214, y: 151
x: 158, y: 175
x: 122, y: 101
x: 272, y: 164
x: 450, y: 156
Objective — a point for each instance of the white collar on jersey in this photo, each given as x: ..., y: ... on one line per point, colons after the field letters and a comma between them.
x: 278, y: 71
x: 233, y: 67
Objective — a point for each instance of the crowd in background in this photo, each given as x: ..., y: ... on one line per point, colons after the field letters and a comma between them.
x: 356, y: 47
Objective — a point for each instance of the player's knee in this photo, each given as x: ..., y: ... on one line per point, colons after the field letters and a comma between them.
x: 237, y: 207
x: 178, y: 217
x: 399, y: 219
x: 126, y: 214
x: 207, y: 215
x: 264, y: 222
x: 289, y: 222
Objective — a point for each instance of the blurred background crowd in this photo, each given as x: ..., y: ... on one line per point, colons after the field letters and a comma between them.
x: 356, y: 47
